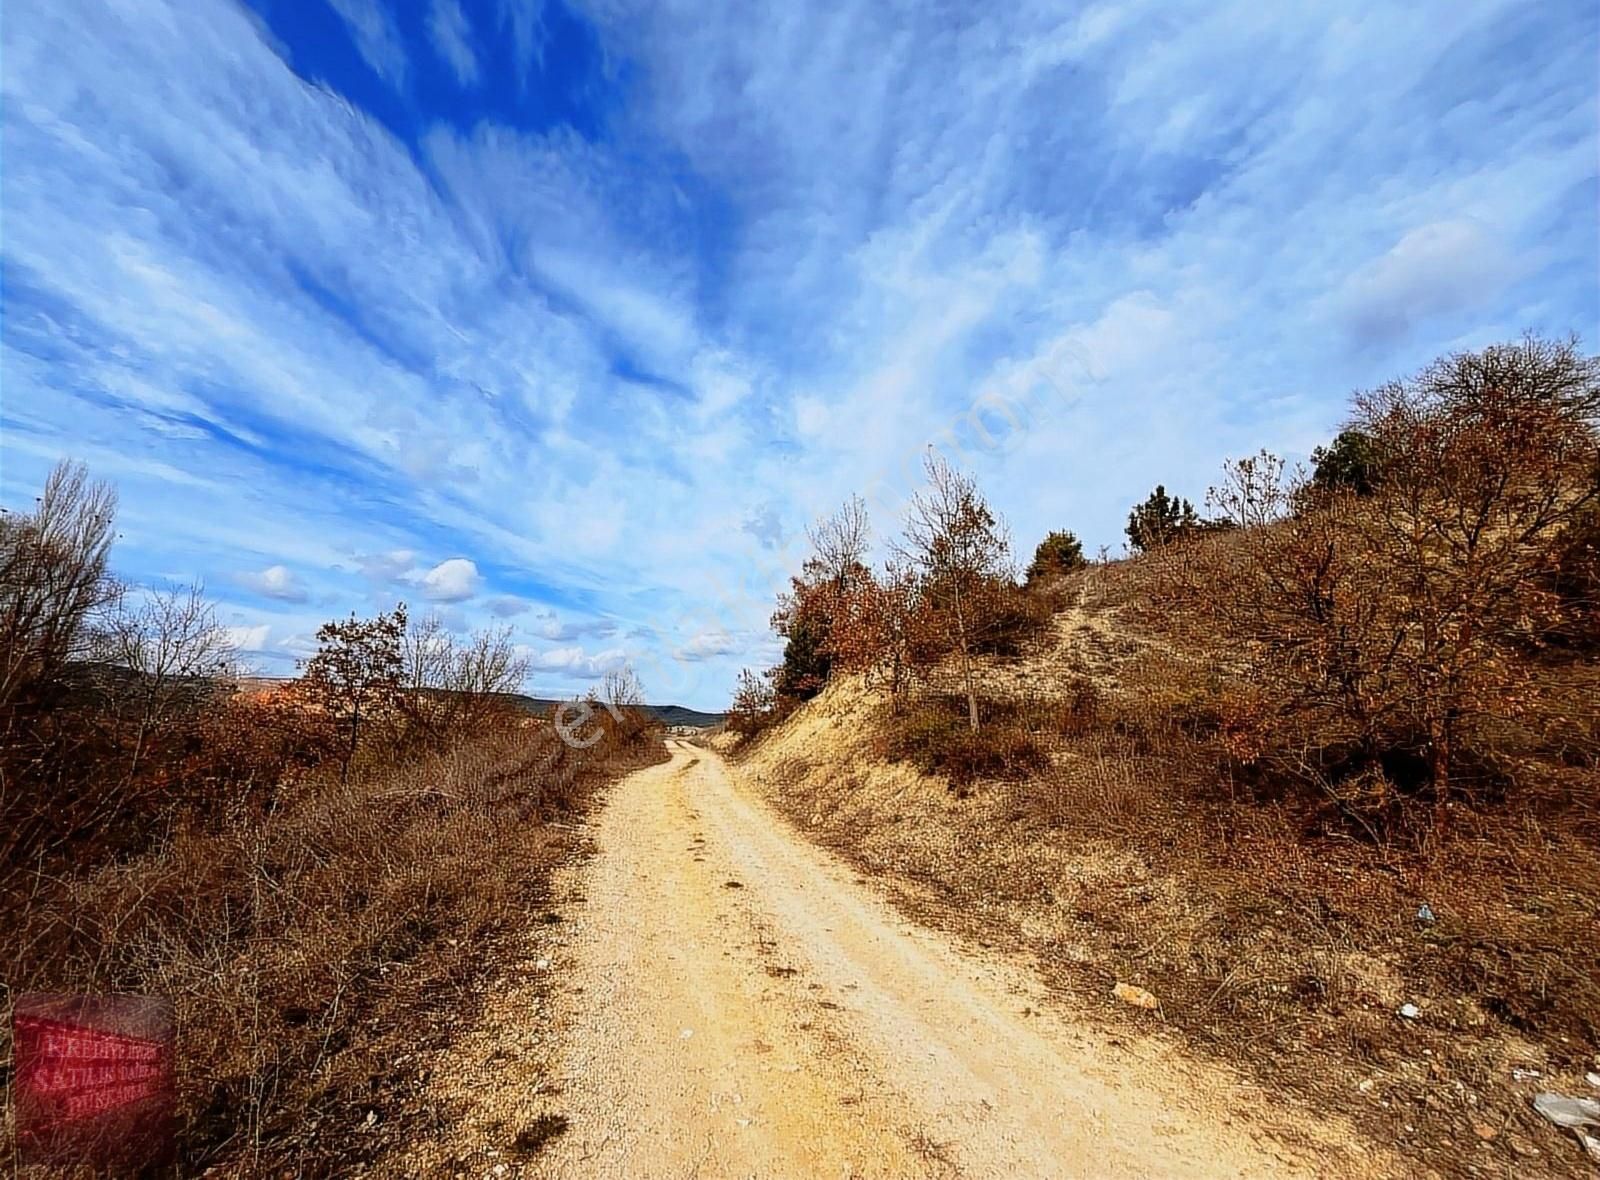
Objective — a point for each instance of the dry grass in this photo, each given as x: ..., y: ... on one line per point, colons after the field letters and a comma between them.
x: 1278, y: 934
x: 316, y: 945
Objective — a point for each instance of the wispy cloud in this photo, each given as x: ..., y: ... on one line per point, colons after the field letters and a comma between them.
x: 504, y: 606
x: 452, y: 37
x: 604, y: 340
x: 387, y: 567
x: 376, y: 37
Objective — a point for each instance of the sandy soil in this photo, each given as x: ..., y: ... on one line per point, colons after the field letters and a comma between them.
x: 730, y: 1000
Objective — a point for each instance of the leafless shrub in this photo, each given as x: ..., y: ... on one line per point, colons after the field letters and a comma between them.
x: 620, y: 689
x: 754, y: 701
x: 1254, y: 491
x: 453, y: 686
x: 174, y: 648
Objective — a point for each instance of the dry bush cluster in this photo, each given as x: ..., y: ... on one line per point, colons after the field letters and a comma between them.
x: 1397, y: 636
x: 315, y: 874
x: 933, y: 735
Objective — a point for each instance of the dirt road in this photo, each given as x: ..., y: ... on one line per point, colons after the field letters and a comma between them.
x: 745, y: 1007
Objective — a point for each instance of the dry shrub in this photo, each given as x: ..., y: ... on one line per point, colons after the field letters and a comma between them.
x: 1388, y: 632
x: 1101, y: 792
x: 934, y: 735
x: 1574, y: 577
x: 1015, y: 616
x: 309, y: 943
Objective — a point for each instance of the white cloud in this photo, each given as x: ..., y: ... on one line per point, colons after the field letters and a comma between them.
x: 452, y: 37
x: 297, y: 647
x: 276, y: 581
x: 709, y: 644
x: 455, y: 580
x: 248, y: 639
x: 574, y: 663
x: 376, y: 37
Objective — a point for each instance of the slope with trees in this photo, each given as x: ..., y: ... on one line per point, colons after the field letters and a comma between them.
x: 1320, y: 770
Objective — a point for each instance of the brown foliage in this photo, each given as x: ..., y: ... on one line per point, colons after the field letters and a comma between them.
x: 1384, y: 628
x: 875, y: 629
x: 1574, y: 577
x: 358, y: 673
x: 756, y: 705
x: 310, y: 943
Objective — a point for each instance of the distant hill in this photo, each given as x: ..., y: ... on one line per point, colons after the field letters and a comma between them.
x: 538, y: 706
x: 666, y: 714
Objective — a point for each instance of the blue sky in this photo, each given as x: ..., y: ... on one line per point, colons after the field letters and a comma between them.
x: 571, y: 316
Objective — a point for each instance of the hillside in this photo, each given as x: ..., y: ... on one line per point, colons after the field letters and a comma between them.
x: 1113, y: 840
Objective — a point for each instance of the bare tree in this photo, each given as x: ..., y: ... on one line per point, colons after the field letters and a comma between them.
x: 1254, y: 491
x: 962, y: 555
x: 53, y: 579
x: 172, y: 643
x: 621, y: 689
x: 840, y: 543
x: 451, y: 684
x: 485, y: 666
x: 427, y: 655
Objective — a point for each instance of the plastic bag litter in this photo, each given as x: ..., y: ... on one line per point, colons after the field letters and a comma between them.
x: 1567, y: 1112
x: 1574, y: 1114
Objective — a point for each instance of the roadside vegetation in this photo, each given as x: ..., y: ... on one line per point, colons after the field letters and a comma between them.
x: 322, y: 875
x: 1317, y: 767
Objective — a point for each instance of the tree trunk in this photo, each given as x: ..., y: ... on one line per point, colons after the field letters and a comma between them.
x: 966, y: 663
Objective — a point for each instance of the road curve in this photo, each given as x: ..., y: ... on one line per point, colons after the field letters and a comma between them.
x: 744, y: 1006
